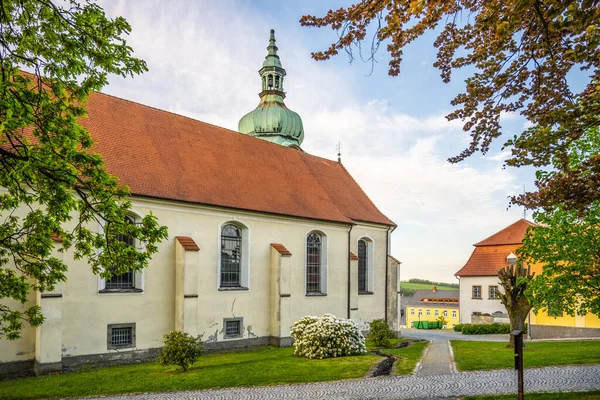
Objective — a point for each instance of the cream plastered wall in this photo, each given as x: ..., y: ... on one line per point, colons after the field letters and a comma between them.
x: 86, y: 312
x: 370, y: 306
x: 468, y: 305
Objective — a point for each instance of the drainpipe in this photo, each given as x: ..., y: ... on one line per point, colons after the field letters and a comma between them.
x: 387, y: 266
x: 349, y: 266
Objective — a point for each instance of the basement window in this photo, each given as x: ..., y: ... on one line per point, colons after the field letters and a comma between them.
x: 120, y: 336
x: 232, y: 328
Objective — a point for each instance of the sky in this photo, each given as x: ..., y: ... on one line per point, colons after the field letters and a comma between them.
x: 203, y: 59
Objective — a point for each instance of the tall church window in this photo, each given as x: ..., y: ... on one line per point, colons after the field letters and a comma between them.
x: 363, y: 266
x: 231, y: 256
x: 314, y: 250
x: 126, y: 280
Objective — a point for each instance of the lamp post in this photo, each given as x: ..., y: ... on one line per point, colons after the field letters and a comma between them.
x: 519, y: 361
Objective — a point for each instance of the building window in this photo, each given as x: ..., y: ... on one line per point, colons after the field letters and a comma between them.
x: 493, y: 292
x: 435, y: 313
x: 420, y: 312
x: 476, y: 292
x: 453, y: 314
x: 412, y: 311
x: 428, y: 313
x: 232, y: 328
x: 120, y: 336
x: 363, y: 256
x: 126, y: 280
x: 316, y: 264
x: 445, y: 313
x: 366, y: 267
x: 231, y: 256
x: 130, y: 281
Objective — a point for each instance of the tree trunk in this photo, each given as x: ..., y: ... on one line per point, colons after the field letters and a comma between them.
x: 513, y: 298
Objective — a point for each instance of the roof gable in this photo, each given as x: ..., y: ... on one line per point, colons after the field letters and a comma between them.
x: 164, y: 155
x: 512, y: 234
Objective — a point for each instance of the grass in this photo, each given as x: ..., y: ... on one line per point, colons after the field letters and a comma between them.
x: 262, y: 366
x: 542, y: 396
x: 472, y: 355
x: 409, y: 356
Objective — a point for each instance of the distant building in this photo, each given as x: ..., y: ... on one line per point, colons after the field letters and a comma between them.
x: 429, y: 305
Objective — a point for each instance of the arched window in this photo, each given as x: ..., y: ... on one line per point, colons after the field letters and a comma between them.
x: 270, y: 82
x: 314, y: 249
x: 126, y: 280
x: 276, y: 81
x: 363, y: 266
x: 231, y: 256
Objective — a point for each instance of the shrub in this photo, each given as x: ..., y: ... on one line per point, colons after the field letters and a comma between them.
x: 484, y: 329
x: 326, y: 336
x: 458, y: 327
x: 380, y: 333
x: 180, y: 349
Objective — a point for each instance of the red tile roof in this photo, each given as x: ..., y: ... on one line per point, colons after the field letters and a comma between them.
x: 56, y: 238
x: 188, y: 243
x: 281, y: 249
x: 163, y: 155
x: 490, y: 254
x: 512, y: 234
x: 353, y: 256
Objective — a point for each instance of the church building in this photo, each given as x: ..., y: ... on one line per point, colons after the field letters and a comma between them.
x: 261, y: 234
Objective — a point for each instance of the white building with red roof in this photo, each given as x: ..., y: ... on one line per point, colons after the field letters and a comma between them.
x: 260, y: 234
x: 479, y: 282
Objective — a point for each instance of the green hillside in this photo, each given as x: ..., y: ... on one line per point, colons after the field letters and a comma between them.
x: 423, y: 286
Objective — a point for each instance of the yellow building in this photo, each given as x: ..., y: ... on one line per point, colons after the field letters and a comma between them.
x: 429, y: 305
x: 544, y: 326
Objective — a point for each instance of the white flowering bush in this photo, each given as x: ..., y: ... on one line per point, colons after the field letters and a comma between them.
x: 327, y: 336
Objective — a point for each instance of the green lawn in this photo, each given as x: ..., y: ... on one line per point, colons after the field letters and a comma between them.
x: 411, y: 355
x: 263, y: 366
x: 542, y: 396
x: 423, y: 286
x: 471, y: 355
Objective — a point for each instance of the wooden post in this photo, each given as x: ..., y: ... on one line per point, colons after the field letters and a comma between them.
x: 519, y: 362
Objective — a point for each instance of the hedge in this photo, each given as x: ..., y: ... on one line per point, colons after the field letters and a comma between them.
x: 483, y: 329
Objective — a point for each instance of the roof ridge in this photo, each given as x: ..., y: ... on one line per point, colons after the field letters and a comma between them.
x: 502, y: 230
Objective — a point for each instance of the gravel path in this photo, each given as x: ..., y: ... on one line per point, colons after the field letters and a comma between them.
x: 437, y: 360
x: 550, y: 379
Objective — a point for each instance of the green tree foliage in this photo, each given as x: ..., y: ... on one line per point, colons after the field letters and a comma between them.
x: 180, y: 349
x: 567, y: 241
x: 432, y: 283
x: 521, y: 53
x: 52, y: 181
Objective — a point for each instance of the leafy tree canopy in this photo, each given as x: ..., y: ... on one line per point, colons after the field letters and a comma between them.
x: 52, y: 182
x: 567, y: 244
x: 522, y: 54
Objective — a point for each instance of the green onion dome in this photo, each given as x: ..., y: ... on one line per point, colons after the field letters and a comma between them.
x: 271, y: 120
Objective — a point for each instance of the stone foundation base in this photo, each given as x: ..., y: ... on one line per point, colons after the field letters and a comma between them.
x: 562, y: 332
x: 16, y: 369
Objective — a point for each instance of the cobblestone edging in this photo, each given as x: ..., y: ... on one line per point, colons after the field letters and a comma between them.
x: 549, y: 379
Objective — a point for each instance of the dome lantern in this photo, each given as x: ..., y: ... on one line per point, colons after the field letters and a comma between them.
x: 271, y: 120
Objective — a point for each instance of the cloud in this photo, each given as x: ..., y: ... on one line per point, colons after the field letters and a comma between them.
x: 203, y: 59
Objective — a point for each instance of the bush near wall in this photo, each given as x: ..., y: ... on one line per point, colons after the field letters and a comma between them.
x: 327, y: 336
x: 484, y: 329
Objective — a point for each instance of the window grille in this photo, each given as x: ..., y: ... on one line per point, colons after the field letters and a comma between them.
x: 233, y: 328
x: 476, y: 292
x: 494, y: 292
x: 313, y: 263
x: 121, y: 336
x: 231, y: 256
x: 126, y: 280
x: 363, y: 266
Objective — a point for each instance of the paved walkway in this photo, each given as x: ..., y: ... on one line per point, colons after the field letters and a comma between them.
x: 550, y: 379
x: 436, y: 334
x: 437, y: 359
